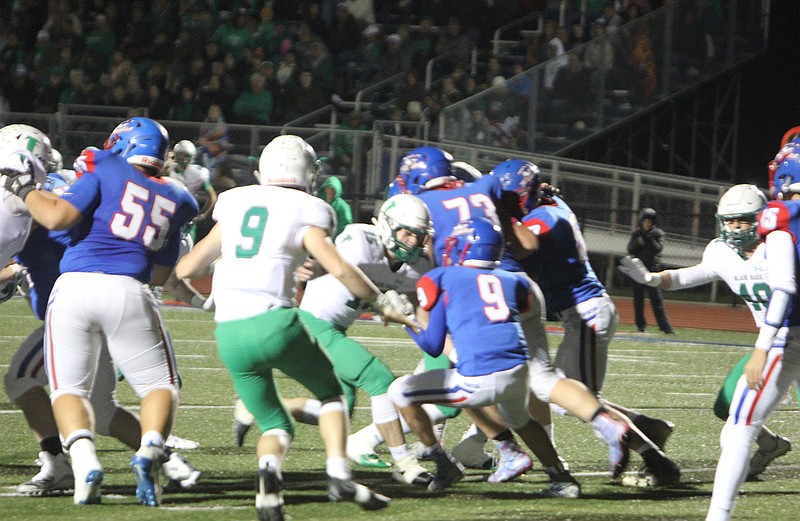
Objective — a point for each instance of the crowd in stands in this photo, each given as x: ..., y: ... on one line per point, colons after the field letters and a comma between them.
x: 269, y: 62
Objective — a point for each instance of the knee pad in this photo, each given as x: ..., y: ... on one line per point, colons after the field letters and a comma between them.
x: 383, y: 410
x: 395, y: 392
x: 335, y: 404
x: 542, y: 378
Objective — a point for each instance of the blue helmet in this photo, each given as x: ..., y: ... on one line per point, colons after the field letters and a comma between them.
x: 477, y: 243
x: 786, y: 176
x: 520, y: 176
x: 423, y: 164
x: 141, y: 141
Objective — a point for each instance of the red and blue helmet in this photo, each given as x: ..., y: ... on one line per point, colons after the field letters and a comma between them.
x: 423, y: 164
x: 477, y: 243
x: 786, y: 176
x: 141, y: 141
x: 520, y: 176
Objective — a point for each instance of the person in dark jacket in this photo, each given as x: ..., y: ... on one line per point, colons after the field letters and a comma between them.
x: 646, y: 243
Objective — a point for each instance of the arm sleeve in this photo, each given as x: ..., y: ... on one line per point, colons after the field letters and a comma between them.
x: 691, y: 277
x: 431, y: 340
x: 781, y: 265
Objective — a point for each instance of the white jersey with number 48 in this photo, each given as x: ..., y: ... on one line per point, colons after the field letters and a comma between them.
x: 328, y: 299
x: 747, y: 278
x: 262, y: 245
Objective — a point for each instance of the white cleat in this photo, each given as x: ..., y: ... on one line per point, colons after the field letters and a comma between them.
x: 54, y: 477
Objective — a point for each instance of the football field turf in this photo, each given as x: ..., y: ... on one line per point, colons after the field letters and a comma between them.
x: 675, y: 378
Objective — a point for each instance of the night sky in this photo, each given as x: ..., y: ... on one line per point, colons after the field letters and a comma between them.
x: 771, y: 94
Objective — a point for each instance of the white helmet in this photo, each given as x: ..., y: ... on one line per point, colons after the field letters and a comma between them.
x: 25, y: 137
x: 184, y: 151
x: 740, y: 202
x: 404, y: 211
x: 58, y: 160
x: 288, y: 161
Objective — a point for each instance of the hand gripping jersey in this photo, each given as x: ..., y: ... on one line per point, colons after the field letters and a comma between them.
x: 328, y: 299
x: 130, y: 220
x: 481, y: 310
x: 784, y: 216
x: 262, y: 245
x: 561, y: 264
x: 449, y: 207
x: 195, y: 177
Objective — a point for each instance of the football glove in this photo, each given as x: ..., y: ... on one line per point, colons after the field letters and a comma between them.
x: 638, y: 272
x: 16, y: 176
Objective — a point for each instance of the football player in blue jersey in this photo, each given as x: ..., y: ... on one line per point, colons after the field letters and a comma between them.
x: 471, y: 301
x: 763, y: 385
x: 572, y: 290
x: 432, y: 174
x: 126, y: 224
x: 26, y: 379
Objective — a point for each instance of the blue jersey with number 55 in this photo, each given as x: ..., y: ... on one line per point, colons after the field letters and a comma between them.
x: 130, y: 220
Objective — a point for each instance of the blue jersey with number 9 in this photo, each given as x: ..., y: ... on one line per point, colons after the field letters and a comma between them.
x: 130, y: 220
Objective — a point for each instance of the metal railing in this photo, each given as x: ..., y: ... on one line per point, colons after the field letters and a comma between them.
x: 651, y: 63
x: 498, y: 45
x: 605, y: 198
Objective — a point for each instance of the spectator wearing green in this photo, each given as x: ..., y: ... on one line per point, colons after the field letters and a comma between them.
x: 254, y: 106
x: 331, y: 192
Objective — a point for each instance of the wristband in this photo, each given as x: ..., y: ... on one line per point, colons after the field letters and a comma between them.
x: 655, y: 280
x: 766, y: 337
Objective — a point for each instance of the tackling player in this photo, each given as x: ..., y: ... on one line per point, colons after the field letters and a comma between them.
x: 571, y: 289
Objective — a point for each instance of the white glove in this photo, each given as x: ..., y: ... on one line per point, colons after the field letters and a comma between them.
x: 636, y: 270
x: 400, y: 302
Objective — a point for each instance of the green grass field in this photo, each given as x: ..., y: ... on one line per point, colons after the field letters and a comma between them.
x: 675, y: 378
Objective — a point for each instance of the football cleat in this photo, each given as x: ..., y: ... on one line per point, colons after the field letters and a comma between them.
x: 87, y: 490
x: 54, y: 477
x: 470, y: 451
x: 762, y: 458
x: 448, y: 471
x: 562, y: 484
x: 657, y: 430
x: 348, y: 490
x: 658, y: 471
x: 240, y: 431
x: 146, y: 464
x: 364, y: 456
x: 269, y: 501
x: 174, y: 442
x: 411, y: 472
x: 178, y: 470
x: 513, y: 463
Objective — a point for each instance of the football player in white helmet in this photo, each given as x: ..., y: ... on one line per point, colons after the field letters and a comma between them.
x: 736, y: 257
x: 263, y: 233
x: 23, y: 148
x: 391, y: 252
x: 196, y: 178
